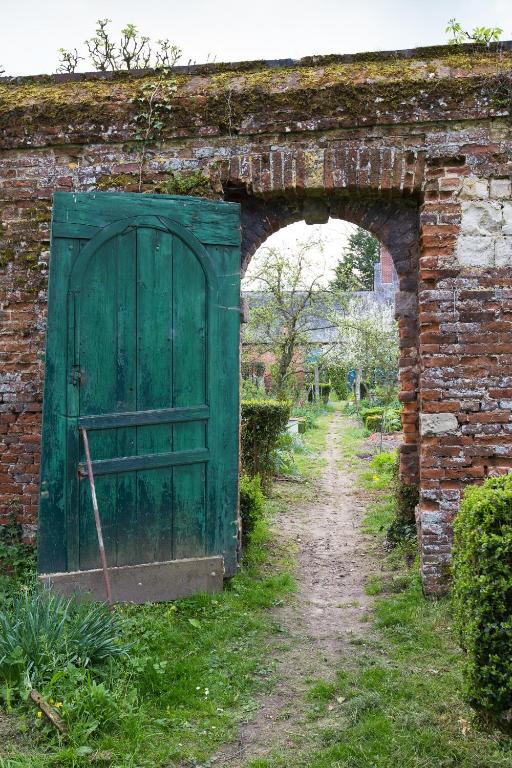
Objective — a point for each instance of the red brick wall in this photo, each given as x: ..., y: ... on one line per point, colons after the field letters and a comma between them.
x: 418, y: 151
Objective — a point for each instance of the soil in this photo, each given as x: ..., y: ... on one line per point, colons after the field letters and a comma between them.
x: 329, y: 613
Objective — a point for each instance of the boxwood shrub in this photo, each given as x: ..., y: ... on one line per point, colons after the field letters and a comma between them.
x: 373, y: 422
x: 251, y: 504
x: 262, y: 422
x: 482, y: 592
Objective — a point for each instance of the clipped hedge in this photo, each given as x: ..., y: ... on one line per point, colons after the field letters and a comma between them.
x: 371, y: 411
x: 252, y: 503
x: 482, y: 593
x: 373, y: 422
x: 262, y: 422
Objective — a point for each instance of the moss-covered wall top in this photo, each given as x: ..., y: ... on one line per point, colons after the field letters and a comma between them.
x: 425, y: 85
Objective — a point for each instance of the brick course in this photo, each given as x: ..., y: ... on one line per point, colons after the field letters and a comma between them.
x: 415, y: 146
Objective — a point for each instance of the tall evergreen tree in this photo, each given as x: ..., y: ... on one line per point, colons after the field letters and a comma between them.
x: 354, y: 272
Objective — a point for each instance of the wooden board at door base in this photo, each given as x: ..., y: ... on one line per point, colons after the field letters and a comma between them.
x: 149, y: 582
x: 143, y: 352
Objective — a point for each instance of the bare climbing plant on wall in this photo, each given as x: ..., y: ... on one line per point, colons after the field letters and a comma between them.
x: 133, y: 51
x: 153, y: 105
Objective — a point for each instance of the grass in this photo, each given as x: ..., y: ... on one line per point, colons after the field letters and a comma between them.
x: 310, y: 462
x: 396, y: 702
x: 192, y: 673
x: 197, y: 666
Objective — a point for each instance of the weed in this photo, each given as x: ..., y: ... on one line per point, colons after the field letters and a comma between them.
x: 41, y: 633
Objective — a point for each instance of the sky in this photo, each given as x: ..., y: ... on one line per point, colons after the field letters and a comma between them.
x: 333, y: 235
x: 31, y: 31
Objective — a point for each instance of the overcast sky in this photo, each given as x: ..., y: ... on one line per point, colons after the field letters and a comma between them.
x: 31, y: 31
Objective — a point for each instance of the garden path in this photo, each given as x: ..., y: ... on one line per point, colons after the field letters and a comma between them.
x: 323, y: 625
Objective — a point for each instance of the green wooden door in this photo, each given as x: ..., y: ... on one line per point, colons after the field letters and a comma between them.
x: 143, y: 351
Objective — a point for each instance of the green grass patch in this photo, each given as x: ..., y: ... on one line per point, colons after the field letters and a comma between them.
x: 310, y: 461
x: 193, y: 669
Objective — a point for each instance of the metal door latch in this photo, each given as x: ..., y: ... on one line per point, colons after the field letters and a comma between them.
x: 76, y: 376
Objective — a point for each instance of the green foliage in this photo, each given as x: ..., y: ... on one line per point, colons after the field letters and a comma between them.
x: 17, y: 560
x: 480, y: 35
x: 251, y: 391
x: 405, y: 500
x: 392, y: 420
x: 355, y: 271
x: 289, y: 306
x: 262, y: 422
x: 252, y: 369
x: 482, y: 593
x: 368, y: 409
x: 338, y: 376
x: 324, y: 392
x: 152, y: 107
x: 310, y: 413
x: 191, y: 183
x: 252, y: 502
x: 373, y: 422
x: 367, y: 339
x: 134, y: 51
x: 284, y: 461
x: 41, y: 632
x: 192, y: 671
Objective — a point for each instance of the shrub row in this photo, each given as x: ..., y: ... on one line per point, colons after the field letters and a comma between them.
x: 252, y: 502
x: 262, y: 423
x: 482, y: 593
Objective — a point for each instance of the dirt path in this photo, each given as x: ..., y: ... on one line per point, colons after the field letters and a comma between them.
x: 334, y: 565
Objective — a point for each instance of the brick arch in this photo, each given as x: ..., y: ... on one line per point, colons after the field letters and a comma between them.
x: 363, y: 137
x: 395, y: 223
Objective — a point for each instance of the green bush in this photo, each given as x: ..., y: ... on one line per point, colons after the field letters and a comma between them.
x: 251, y: 504
x: 373, y: 422
x: 42, y: 632
x: 369, y: 409
x: 251, y: 391
x: 366, y: 411
x: 284, y: 461
x: 482, y: 593
x: 262, y: 423
x: 338, y: 376
x: 17, y: 560
x: 325, y: 391
x: 392, y: 420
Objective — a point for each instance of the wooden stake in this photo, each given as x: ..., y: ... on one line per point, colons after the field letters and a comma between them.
x: 101, y: 545
x: 51, y: 713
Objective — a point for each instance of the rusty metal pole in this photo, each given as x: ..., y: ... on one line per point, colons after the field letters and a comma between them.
x: 97, y: 520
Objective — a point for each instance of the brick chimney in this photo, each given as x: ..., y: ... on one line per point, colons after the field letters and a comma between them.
x: 386, y: 266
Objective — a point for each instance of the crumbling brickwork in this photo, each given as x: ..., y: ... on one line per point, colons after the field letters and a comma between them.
x: 415, y: 146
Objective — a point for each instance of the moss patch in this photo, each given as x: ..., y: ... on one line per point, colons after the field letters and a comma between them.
x: 313, y: 87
